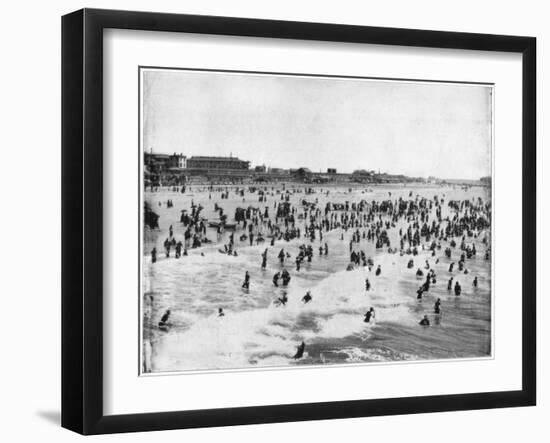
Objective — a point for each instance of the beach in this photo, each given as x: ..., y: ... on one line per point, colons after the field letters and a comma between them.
x: 257, y: 331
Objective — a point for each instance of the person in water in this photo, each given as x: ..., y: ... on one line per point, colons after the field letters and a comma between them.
x: 276, y: 278
x: 369, y: 315
x: 246, y: 283
x: 164, y: 319
x: 378, y: 270
x: 367, y: 285
x: 300, y: 351
x: 475, y: 282
x: 458, y: 289
x: 437, y: 306
x: 286, y: 277
x: 307, y: 298
x: 450, y: 284
x: 220, y: 312
x: 154, y: 255
x: 425, y: 321
x: 282, y: 300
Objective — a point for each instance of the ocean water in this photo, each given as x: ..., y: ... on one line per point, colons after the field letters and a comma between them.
x: 256, y: 331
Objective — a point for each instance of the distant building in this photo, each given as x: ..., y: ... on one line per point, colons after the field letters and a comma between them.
x: 486, y: 181
x: 159, y: 163
x: 212, y: 163
x: 260, y: 168
x: 362, y: 175
x: 178, y: 161
x: 331, y: 171
x: 390, y: 178
x: 277, y: 171
x: 432, y: 180
x: 322, y: 178
x: 156, y: 163
x: 301, y: 173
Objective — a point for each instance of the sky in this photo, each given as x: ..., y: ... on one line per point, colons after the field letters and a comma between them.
x: 412, y: 128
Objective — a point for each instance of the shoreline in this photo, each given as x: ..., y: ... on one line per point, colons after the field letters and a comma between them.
x: 297, y: 183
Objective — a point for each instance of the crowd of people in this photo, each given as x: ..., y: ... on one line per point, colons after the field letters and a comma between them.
x: 404, y: 226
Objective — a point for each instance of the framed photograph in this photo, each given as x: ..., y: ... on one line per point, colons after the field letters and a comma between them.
x: 268, y: 221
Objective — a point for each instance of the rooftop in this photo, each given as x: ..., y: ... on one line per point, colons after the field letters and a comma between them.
x: 158, y: 155
x: 215, y: 158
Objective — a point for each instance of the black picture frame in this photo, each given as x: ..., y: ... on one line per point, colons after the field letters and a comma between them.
x: 82, y: 218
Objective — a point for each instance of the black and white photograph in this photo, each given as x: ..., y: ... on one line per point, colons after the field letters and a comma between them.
x: 243, y: 221
x: 293, y: 220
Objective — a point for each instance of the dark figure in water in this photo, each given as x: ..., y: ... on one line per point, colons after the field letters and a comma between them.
x: 437, y: 306
x: 220, y: 312
x: 282, y: 300
x: 425, y: 321
x: 450, y: 284
x: 458, y: 289
x: 154, y: 255
x: 264, y: 259
x: 369, y: 315
x: 300, y: 351
x: 164, y: 319
x: 367, y: 285
x: 475, y: 282
x: 276, y: 279
x: 419, y: 292
x: 427, y: 283
x: 286, y: 277
x: 378, y: 270
x: 282, y: 256
x: 246, y: 283
x: 307, y: 298
x: 451, y: 266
